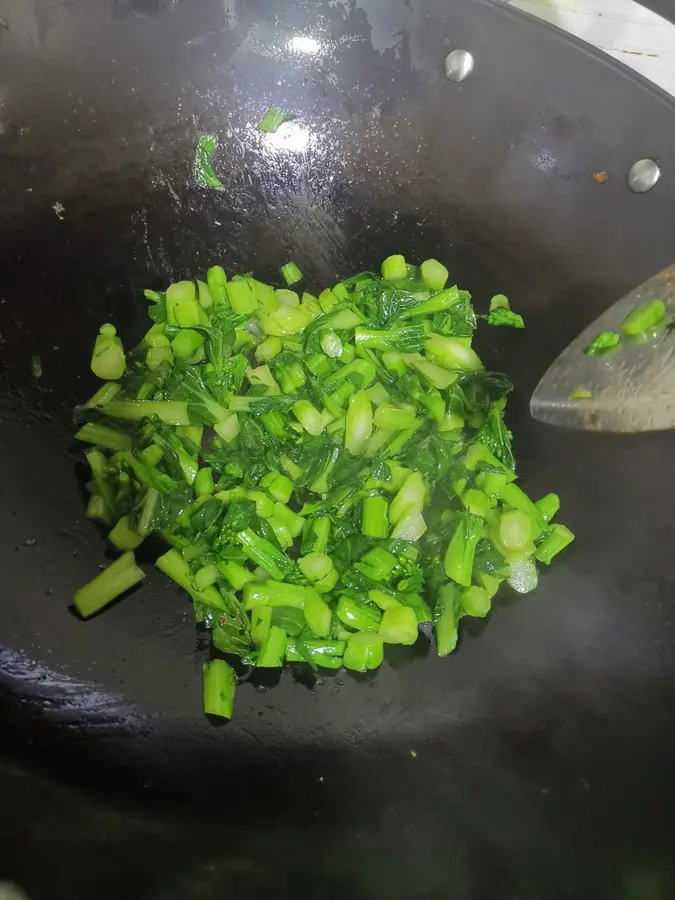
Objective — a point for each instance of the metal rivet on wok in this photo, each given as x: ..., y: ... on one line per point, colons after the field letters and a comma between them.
x: 643, y: 175
x: 458, y: 65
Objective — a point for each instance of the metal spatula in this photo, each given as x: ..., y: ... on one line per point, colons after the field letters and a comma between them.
x: 630, y: 389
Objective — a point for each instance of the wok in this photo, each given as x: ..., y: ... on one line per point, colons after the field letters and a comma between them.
x: 537, y: 761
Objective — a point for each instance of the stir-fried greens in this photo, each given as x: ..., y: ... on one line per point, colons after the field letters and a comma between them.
x: 328, y: 472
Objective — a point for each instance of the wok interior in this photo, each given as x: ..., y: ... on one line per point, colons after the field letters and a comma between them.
x: 493, y: 177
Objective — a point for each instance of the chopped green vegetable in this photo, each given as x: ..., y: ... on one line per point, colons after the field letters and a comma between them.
x: 398, y: 625
x: 220, y: 681
x: 643, y: 317
x: 581, y: 394
x: 325, y: 472
x: 603, y: 343
x: 108, y: 360
x: 434, y: 274
x: 274, y: 119
x: 123, y: 536
x: 499, y: 301
x: 205, y: 174
x: 291, y: 273
x: 364, y: 651
x: 113, y: 581
x: 556, y: 540
x: 501, y: 316
x: 36, y: 367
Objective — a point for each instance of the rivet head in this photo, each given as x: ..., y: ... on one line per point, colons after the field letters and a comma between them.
x: 458, y: 65
x: 643, y: 175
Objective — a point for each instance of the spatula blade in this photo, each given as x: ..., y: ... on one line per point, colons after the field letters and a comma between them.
x: 632, y: 389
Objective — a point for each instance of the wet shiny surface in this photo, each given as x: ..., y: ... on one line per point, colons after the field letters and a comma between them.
x: 544, y: 747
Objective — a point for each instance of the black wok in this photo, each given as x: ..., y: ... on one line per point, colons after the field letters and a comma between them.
x: 537, y: 761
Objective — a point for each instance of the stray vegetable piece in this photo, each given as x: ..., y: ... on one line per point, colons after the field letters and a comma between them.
x: 274, y: 119
x: 643, y: 317
x: 364, y: 651
x: 581, y: 394
x: 499, y: 301
x: 394, y: 268
x: 204, y: 171
x: 501, y: 316
x: 291, y: 273
x: 603, y: 343
x: 308, y: 460
x: 108, y: 585
x: 398, y: 625
x: 36, y: 366
x: 220, y: 682
x: 434, y: 274
x: 108, y: 360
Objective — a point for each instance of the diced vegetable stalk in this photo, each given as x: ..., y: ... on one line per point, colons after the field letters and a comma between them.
x: 410, y: 496
x: 220, y: 682
x: 291, y: 273
x: 108, y: 360
x: 358, y: 615
x: 123, y: 536
x: 315, y: 566
x: 515, y: 530
x: 261, y: 621
x: 331, y: 345
x: 172, y: 412
x: 273, y: 649
x: 395, y: 417
x: 434, y: 274
x: 447, y: 612
x: 548, y: 506
x: 103, y: 395
x: 374, y: 517
x: 475, y: 601
x: 643, y: 317
x: 518, y: 499
x: 364, y: 651
x: 309, y: 417
x: 317, y: 462
x: 452, y: 353
x: 359, y: 424
x: 273, y: 593
x: 186, y: 343
x: 317, y: 613
x: 410, y: 527
x: 236, y: 574
x: 104, y: 436
x: 462, y: 547
x: 182, y: 306
x: 176, y: 567
x: 216, y: 280
x: 398, y: 625
x: 394, y: 268
x: 558, y: 538
x: 240, y: 297
x: 203, y: 482
x: 117, y: 578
